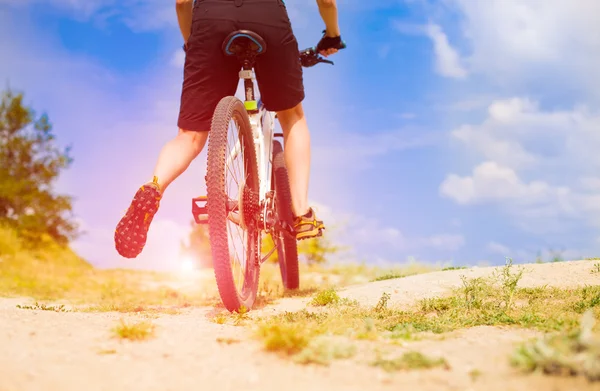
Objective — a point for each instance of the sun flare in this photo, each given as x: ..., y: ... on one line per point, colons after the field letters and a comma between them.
x: 187, y: 264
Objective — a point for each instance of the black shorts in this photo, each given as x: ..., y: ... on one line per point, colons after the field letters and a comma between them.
x: 209, y: 75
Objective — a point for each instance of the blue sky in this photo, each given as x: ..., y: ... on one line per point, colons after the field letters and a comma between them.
x: 458, y: 131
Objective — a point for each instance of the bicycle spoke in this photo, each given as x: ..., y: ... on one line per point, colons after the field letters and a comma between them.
x: 235, y: 170
x: 234, y: 218
x: 235, y: 258
x: 229, y: 163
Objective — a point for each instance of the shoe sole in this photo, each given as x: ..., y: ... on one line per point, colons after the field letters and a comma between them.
x: 132, y: 230
x: 313, y: 233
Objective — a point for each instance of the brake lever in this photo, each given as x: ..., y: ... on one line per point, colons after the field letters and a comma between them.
x: 310, y: 57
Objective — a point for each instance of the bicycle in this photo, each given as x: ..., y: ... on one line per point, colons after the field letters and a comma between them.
x: 263, y: 202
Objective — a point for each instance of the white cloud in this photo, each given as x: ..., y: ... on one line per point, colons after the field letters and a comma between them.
x: 517, y: 133
x: 493, y: 182
x: 371, y: 232
x: 498, y: 248
x: 448, y: 62
x: 363, y: 234
x: 540, y: 165
x: 445, y: 242
x: 519, y: 41
x: 590, y: 183
x: 148, y: 15
x: 533, y: 206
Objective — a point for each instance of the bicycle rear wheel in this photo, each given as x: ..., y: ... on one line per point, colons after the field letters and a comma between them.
x: 287, y: 245
x: 234, y: 234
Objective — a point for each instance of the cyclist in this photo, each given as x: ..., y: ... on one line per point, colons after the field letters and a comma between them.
x: 209, y: 76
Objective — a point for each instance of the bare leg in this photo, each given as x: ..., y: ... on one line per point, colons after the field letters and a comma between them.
x: 175, y: 157
x: 177, y: 154
x: 297, y: 155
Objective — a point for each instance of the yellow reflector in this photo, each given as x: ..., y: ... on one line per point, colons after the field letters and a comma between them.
x: 250, y: 105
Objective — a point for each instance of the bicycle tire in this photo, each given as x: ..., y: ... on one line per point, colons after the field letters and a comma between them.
x: 287, y: 245
x: 228, y: 109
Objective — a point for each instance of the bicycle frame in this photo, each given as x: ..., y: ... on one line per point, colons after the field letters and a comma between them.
x: 262, y: 123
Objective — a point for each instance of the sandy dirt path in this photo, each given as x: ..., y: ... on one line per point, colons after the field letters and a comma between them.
x: 47, y: 351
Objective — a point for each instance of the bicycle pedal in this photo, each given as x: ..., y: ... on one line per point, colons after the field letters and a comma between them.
x: 200, y: 213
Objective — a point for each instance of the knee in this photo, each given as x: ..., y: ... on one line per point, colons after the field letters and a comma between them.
x: 327, y: 3
x: 291, y: 116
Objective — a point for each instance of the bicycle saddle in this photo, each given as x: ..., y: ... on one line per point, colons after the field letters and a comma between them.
x: 244, y: 42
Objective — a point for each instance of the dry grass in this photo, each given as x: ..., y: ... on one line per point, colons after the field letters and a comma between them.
x: 325, y: 297
x: 286, y: 338
x: 43, y: 307
x: 496, y: 301
x: 105, y: 352
x: 323, y: 350
x: 138, y: 331
x: 228, y: 341
x: 410, y: 360
x: 565, y: 353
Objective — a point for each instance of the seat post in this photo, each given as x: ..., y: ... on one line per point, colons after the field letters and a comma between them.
x: 246, y: 73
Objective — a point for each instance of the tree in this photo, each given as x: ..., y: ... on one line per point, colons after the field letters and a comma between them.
x: 316, y: 250
x: 30, y: 163
x: 199, y: 246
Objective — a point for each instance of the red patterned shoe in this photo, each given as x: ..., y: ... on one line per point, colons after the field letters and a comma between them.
x: 132, y: 230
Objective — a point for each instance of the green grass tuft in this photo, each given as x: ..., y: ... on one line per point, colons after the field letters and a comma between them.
x: 389, y: 276
x: 494, y: 301
x: 288, y: 338
x: 322, y: 351
x: 410, y: 361
x: 134, y: 331
x: 575, y: 353
x: 454, y: 268
x: 326, y: 297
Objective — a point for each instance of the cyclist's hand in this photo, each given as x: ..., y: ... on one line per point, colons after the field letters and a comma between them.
x: 328, y: 52
x: 330, y: 45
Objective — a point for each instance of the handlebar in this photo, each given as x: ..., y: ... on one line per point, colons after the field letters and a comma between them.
x: 309, y: 58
